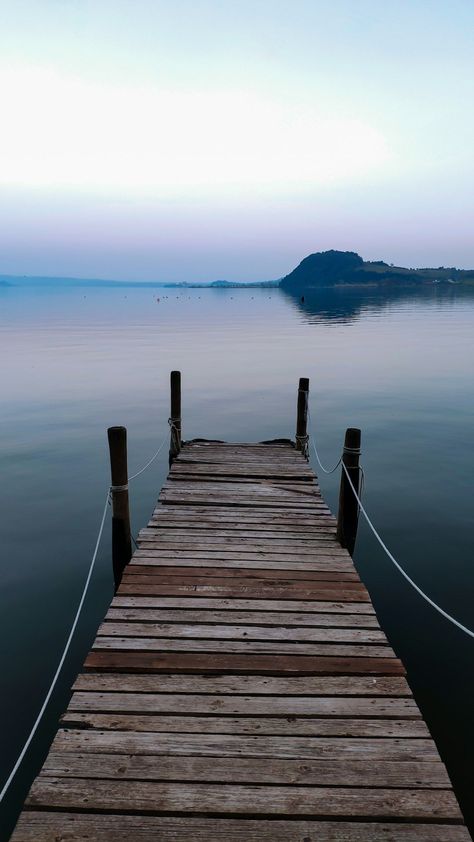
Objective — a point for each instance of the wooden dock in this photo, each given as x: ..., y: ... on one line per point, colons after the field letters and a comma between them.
x: 240, y: 687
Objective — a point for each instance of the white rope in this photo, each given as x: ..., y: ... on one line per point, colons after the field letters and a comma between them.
x: 325, y: 470
x: 63, y: 656
x: 400, y: 568
x: 378, y: 537
x: 76, y: 618
x: 150, y: 461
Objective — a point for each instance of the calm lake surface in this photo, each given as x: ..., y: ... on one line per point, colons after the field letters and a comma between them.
x: 75, y: 361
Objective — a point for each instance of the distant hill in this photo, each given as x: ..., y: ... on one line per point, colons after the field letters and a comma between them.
x: 339, y: 268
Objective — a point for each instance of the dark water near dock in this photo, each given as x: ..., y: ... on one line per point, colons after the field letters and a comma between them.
x: 77, y: 361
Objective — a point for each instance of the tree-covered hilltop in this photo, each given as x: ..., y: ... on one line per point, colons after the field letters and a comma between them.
x: 334, y: 268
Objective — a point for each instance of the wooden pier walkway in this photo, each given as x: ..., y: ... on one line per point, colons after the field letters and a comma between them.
x: 240, y: 688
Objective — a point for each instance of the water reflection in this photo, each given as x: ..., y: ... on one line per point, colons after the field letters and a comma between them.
x: 340, y: 305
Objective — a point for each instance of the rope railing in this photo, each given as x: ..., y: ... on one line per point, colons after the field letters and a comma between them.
x: 313, y: 444
x: 63, y: 656
x: 382, y: 543
x: 155, y: 455
x: 400, y: 568
x: 70, y: 637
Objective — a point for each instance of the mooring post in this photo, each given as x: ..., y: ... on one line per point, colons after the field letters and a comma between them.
x: 348, y: 516
x: 301, y: 437
x: 121, y: 534
x: 175, y: 415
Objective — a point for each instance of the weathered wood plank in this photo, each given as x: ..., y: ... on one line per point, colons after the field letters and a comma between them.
x: 275, y: 574
x: 267, y: 456
x: 242, y: 586
x: 308, y: 539
x: 203, y: 541
x: 229, y: 554
x: 261, y: 605
x: 220, y: 632
x: 286, y: 706
x: 251, y: 618
x: 51, y: 826
x: 222, y: 450
x: 250, y: 514
x: 234, y: 590
x: 330, y: 748
x: 158, y: 559
x: 243, y: 770
x: 175, y: 496
x: 251, y: 550
x: 292, y: 471
x: 263, y: 685
x: 177, y: 518
x: 241, y: 663
x: 261, y: 488
x: 244, y: 528
x: 241, y: 474
x: 238, y: 461
x: 301, y: 502
x: 226, y: 515
x: 263, y: 726
x: 241, y: 578
x: 148, y: 797
x: 243, y: 478
x: 273, y: 497
x: 238, y: 458
x: 242, y: 484
x: 257, y: 489
x: 166, y: 644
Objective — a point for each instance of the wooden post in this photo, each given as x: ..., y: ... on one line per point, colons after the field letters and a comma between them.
x: 121, y: 534
x: 302, y: 416
x: 175, y: 415
x: 348, y: 517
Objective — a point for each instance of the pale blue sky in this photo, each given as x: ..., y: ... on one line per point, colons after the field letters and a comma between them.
x: 197, y: 139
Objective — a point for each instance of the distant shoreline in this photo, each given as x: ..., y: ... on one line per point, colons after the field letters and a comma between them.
x: 16, y: 281
x: 321, y: 270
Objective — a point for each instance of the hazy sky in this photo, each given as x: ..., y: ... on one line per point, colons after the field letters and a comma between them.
x: 203, y: 139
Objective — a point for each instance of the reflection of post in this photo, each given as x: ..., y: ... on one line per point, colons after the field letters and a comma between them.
x: 175, y: 415
x: 302, y: 416
x: 348, y: 517
x: 121, y: 534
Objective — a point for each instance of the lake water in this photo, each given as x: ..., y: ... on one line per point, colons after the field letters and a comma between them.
x: 75, y: 361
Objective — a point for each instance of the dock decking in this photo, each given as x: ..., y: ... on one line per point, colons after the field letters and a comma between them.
x: 240, y: 686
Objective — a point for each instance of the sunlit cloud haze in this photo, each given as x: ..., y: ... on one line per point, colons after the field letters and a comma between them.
x: 142, y: 139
